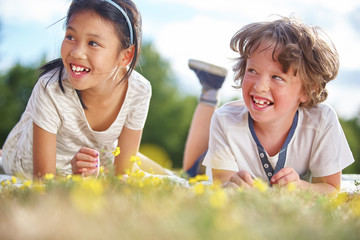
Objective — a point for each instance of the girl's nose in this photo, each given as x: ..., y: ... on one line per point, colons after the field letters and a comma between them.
x: 78, y: 52
x: 262, y: 84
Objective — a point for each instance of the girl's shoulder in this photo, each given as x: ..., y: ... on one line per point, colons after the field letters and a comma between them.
x: 139, y: 82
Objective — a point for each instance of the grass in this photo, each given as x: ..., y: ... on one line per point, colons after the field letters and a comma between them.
x: 150, y: 207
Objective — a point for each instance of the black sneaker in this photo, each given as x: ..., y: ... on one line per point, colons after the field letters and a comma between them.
x: 210, y: 76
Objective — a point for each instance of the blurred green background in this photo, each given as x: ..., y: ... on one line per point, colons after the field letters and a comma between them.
x: 169, y: 115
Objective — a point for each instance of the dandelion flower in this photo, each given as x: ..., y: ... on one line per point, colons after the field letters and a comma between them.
x: 218, y: 199
x: 199, y: 189
x: 13, y: 179
x: 116, y: 151
x: 260, y: 185
x: 49, y: 176
x: 291, y: 187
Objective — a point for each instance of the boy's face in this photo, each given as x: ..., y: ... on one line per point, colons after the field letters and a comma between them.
x: 271, y: 95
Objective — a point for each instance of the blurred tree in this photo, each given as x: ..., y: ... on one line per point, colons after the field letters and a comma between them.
x: 351, y: 129
x: 15, y: 89
x: 170, y: 111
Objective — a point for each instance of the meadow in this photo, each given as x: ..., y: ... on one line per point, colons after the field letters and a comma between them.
x: 144, y: 206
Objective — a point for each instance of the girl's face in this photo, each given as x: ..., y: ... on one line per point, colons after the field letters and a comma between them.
x: 270, y: 94
x: 90, y: 51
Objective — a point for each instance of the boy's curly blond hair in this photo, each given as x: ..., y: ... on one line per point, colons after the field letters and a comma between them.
x: 306, y: 49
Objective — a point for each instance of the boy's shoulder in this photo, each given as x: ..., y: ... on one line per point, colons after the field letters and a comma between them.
x: 321, y: 110
x: 233, y: 111
x: 322, y: 113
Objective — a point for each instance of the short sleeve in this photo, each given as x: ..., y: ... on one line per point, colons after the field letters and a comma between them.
x: 42, y: 106
x: 330, y: 152
x: 139, y: 108
x: 219, y: 155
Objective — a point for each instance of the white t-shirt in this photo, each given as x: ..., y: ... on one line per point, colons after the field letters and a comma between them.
x: 318, y: 147
x: 62, y: 114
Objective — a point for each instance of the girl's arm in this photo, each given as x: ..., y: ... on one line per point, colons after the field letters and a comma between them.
x: 44, y: 152
x: 129, y: 142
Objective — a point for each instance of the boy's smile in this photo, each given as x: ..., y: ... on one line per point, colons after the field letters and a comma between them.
x: 271, y: 95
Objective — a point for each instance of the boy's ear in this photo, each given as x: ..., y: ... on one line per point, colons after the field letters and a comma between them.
x: 126, y: 56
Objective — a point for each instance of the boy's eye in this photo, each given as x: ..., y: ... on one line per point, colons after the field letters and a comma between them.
x: 251, y: 70
x: 277, y: 78
x: 92, y: 43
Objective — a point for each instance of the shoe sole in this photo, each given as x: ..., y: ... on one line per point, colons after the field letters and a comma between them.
x: 207, y: 67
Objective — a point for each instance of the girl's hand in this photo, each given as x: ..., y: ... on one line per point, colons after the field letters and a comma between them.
x: 285, y: 176
x: 85, y: 162
x: 240, y: 179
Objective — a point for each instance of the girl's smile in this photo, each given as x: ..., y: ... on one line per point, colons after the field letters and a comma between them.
x: 79, y: 71
x: 91, y: 51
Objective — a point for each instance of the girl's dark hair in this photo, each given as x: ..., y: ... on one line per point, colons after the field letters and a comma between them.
x: 305, y: 49
x: 108, y: 12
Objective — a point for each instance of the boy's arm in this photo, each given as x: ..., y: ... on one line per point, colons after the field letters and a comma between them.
x: 328, y: 184
x: 232, y: 178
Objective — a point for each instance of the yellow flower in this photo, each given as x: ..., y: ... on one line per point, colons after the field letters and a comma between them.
x: 49, y: 176
x: 13, y: 179
x: 199, y: 189
x: 101, y: 169
x: 198, y: 178
x: 68, y: 177
x: 218, y: 199
x: 27, y: 183
x: 116, y: 151
x: 87, y: 195
x: 134, y: 158
x: 339, y: 199
x: 291, y: 187
x: 138, y: 163
x: 260, y: 185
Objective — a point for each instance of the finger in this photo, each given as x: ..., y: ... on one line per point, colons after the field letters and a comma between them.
x: 231, y: 185
x: 246, y: 177
x: 89, y: 172
x: 286, y: 179
x: 89, y: 151
x: 84, y: 164
x: 236, y: 179
x: 280, y: 174
x: 84, y: 157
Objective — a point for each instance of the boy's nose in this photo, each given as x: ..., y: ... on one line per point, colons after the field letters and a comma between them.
x: 262, y: 84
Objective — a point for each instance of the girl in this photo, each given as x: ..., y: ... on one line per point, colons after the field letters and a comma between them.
x: 88, y: 100
x: 280, y: 131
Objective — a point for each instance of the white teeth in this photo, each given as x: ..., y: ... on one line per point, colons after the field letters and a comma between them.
x: 78, y: 69
x: 262, y: 102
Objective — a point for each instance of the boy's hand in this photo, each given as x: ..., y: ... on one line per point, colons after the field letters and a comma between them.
x: 240, y: 179
x: 285, y: 176
x: 85, y: 162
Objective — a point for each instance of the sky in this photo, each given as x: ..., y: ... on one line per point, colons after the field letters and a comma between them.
x: 198, y: 29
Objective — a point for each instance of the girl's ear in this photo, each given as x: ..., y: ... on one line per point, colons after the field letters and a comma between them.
x: 126, y: 56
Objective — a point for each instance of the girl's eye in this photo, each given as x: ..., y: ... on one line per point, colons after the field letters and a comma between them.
x: 250, y: 70
x: 94, y: 44
x: 69, y: 37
